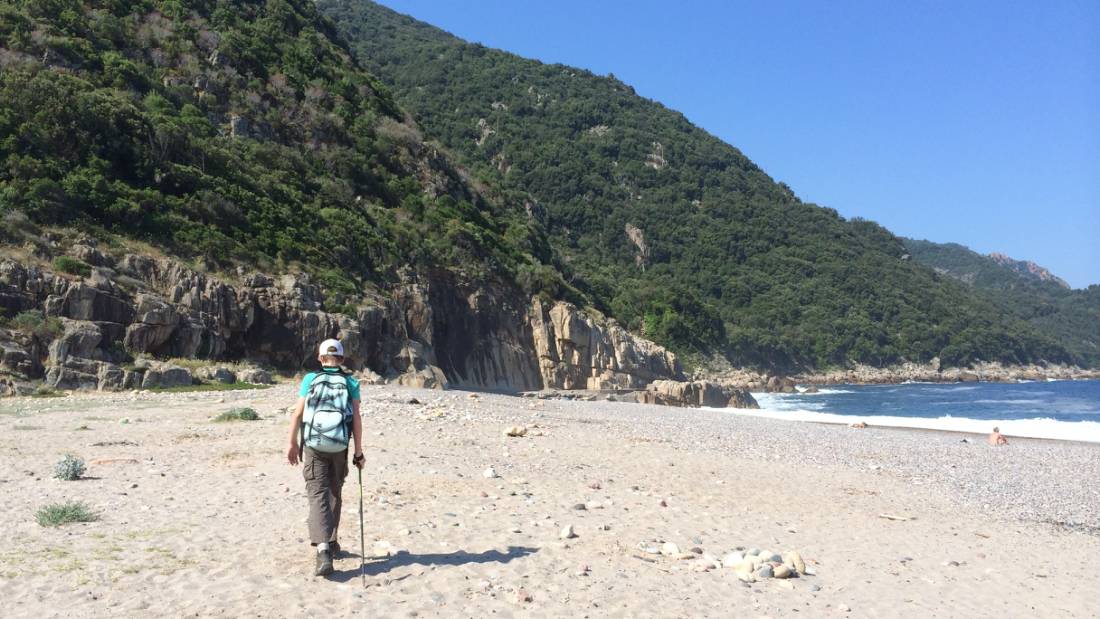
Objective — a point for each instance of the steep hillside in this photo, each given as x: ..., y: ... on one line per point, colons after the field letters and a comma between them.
x: 222, y: 180
x: 236, y: 132
x: 668, y: 228
x: 1072, y: 317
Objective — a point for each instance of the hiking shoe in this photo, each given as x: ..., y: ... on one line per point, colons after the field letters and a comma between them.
x: 324, y: 563
x: 334, y: 548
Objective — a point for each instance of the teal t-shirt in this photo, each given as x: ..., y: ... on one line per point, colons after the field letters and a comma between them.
x: 353, y: 384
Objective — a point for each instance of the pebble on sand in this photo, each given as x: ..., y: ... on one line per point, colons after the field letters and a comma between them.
x: 794, y: 559
x: 490, y: 473
x: 670, y: 549
x: 732, y: 559
x: 516, y: 431
x: 568, y: 532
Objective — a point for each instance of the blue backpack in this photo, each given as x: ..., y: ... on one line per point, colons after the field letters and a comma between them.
x: 326, y: 420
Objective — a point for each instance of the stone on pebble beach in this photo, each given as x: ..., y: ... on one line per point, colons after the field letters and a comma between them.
x: 781, y: 571
x: 516, y: 431
x: 795, y: 561
x: 568, y: 532
x: 765, y: 571
x: 743, y: 574
x: 732, y: 559
x: 669, y: 549
x: 490, y: 473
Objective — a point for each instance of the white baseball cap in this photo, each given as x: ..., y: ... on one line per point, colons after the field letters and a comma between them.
x: 331, y: 347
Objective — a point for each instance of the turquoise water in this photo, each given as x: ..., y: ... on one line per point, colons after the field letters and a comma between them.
x: 1051, y: 409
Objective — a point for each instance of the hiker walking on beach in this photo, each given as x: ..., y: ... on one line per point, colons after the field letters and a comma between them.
x: 325, y: 419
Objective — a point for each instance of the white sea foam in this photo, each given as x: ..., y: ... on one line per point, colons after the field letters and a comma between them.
x: 1088, y: 431
x: 820, y: 392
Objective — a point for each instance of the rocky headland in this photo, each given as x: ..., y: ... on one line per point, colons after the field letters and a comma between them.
x: 117, y: 326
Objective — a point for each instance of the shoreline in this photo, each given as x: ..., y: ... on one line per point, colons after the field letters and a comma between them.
x: 1030, y: 423
x: 931, y: 373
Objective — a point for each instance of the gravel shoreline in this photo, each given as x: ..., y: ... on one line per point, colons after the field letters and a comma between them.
x: 1034, y: 480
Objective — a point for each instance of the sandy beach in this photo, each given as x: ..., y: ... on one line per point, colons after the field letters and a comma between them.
x: 204, y: 519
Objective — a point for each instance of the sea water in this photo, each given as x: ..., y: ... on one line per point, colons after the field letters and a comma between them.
x: 1067, y: 410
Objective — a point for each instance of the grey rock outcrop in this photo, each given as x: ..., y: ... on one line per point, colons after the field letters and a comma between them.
x: 255, y: 376
x: 576, y: 352
x: 216, y: 374
x: 695, y: 393
x: 431, y: 331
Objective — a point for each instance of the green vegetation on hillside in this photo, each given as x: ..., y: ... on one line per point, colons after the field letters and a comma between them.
x: 1072, y: 317
x: 671, y: 230
x: 236, y: 132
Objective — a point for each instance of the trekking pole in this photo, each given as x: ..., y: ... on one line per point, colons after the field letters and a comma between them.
x: 362, y: 543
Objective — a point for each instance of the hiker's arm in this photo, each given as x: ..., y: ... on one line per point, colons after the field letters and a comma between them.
x: 357, y: 432
x: 295, y: 422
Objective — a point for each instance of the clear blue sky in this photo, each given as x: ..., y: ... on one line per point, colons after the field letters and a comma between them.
x: 972, y: 122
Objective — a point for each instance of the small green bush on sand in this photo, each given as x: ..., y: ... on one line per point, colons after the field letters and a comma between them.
x: 57, y: 514
x: 238, y: 414
x: 70, y: 468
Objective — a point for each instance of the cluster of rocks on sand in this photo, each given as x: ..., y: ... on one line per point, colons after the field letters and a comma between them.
x: 749, y: 565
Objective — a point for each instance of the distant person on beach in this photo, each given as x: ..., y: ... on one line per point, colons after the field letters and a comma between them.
x: 996, y: 438
x: 325, y: 419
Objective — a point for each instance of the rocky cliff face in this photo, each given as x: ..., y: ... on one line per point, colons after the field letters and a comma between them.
x: 431, y: 332
x: 1028, y: 268
x: 575, y: 352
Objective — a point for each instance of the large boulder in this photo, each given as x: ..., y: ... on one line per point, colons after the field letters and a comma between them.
x: 19, y: 357
x: 79, y: 338
x: 696, y: 393
x: 741, y: 398
x: 780, y: 384
x: 165, y: 376
x: 74, y: 373
x: 669, y: 393
x: 84, y: 302
x: 216, y: 374
x: 368, y: 376
x: 430, y: 377
x: 155, y: 322
x: 254, y: 376
x: 111, y: 377
x: 711, y: 395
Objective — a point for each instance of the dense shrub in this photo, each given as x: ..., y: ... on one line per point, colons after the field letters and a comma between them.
x: 32, y: 322
x: 72, y: 266
x: 70, y: 468
x: 238, y: 414
x: 57, y: 514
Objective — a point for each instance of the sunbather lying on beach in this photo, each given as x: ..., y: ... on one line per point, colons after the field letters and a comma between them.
x: 996, y: 438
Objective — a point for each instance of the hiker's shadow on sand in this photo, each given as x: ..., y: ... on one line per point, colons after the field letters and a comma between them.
x: 404, y: 559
